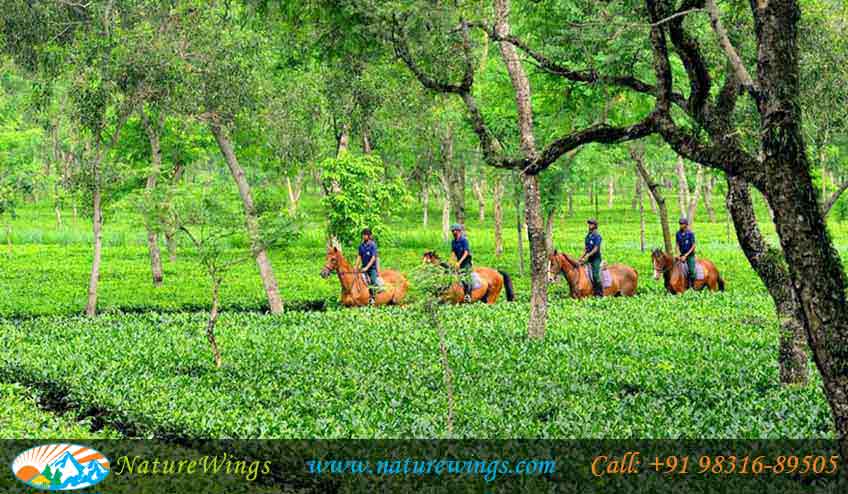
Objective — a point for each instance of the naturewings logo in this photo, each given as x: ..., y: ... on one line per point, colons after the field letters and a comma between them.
x: 60, y: 467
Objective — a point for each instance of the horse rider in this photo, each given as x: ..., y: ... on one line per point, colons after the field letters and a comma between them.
x: 367, y: 258
x: 462, y: 252
x: 592, y: 253
x: 686, y: 245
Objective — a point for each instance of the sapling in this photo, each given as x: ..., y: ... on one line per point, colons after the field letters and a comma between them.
x: 210, y: 221
x: 430, y: 282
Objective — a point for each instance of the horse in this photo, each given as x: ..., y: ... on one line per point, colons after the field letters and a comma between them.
x: 491, y: 283
x: 624, y: 278
x: 675, y: 282
x: 354, y: 288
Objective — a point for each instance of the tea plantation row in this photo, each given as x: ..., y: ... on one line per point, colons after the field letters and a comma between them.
x: 701, y: 365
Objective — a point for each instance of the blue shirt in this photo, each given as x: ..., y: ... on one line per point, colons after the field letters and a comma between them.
x: 368, y: 251
x: 685, y: 241
x: 459, y: 246
x: 593, y: 239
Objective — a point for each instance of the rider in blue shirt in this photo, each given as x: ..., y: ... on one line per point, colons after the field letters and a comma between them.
x: 592, y: 253
x: 462, y: 252
x: 368, y: 261
x: 686, y: 245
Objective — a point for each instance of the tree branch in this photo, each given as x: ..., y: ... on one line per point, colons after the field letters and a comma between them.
x: 738, y: 66
x: 599, y: 133
x: 834, y: 197
x: 690, y: 53
x: 588, y: 76
x: 402, y: 51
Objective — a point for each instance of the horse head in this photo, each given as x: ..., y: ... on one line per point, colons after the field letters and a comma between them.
x: 554, y: 266
x: 431, y: 257
x: 661, y: 262
x: 332, y: 261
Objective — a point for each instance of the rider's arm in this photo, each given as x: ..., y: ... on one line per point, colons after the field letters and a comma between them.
x: 691, y: 250
x: 464, y: 255
x: 370, y: 263
x: 590, y: 253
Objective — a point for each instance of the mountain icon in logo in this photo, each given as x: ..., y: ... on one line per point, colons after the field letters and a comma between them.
x: 60, y: 467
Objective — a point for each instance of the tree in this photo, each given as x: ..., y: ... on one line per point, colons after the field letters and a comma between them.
x: 209, y: 222
x: 221, y: 60
x: 363, y: 199
x: 528, y: 160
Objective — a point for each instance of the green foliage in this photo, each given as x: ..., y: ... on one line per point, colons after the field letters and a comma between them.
x: 365, y: 197
x: 654, y: 366
x: 21, y: 418
x: 209, y: 220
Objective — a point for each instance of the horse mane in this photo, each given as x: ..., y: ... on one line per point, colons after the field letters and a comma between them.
x: 569, y: 259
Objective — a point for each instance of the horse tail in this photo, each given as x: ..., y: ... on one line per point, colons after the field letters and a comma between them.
x: 720, y: 283
x: 510, y: 293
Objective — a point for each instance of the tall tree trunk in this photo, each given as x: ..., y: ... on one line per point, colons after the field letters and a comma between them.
x: 251, y: 221
x: 695, y: 196
x: 682, y: 187
x: 343, y: 140
x: 498, y: 206
x: 538, y: 258
x: 814, y: 264
x: 654, y: 190
x: 446, y: 209
x: 170, y: 234
x: 210, y: 325
x: 570, y: 196
x: 295, y: 190
x: 425, y: 200
x: 58, y: 210
x: 97, y: 226
x: 454, y: 172
x: 532, y: 200
x: 152, y: 130
x: 549, y: 230
x: 637, y: 191
x: 366, y: 141
x: 610, y: 191
x: 767, y: 262
x: 642, y: 240
x: 709, y: 184
x: 519, y: 224
x: 479, y: 187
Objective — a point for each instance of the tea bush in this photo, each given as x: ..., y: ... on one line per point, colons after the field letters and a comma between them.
x: 653, y: 366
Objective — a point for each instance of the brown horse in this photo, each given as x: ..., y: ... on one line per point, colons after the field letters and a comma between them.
x: 355, y: 290
x: 624, y: 278
x: 491, y: 284
x: 676, y: 282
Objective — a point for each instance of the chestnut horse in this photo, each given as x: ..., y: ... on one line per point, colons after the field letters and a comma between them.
x: 624, y: 278
x: 676, y: 282
x: 491, y: 284
x: 355, y: 290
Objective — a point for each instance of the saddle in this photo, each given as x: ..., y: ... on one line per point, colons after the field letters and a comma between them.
x: 606, y: 277
x: 367, y: 280
x: 476, y: 282
x: 684, y: 268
